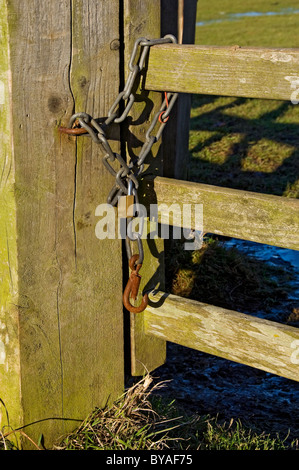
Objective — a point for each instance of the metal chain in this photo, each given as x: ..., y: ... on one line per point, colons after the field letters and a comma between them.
x: 126, y: 177
x: 131, y: 171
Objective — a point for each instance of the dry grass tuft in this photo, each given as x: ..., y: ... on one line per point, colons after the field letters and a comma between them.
x: 129, y: 424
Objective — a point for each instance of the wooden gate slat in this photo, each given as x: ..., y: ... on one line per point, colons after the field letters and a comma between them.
x: 229, y: 71
x: 263, y: 344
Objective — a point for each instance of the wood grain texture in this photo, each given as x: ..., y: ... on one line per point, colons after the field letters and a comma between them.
x: 261, y: 218
x: 228, y: 71
x: 69, y: 283
x: 39, y: 52
x: 10, y: 383
x: 252, y: 341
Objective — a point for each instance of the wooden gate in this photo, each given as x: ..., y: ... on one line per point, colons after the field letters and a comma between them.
x: 241, y: 72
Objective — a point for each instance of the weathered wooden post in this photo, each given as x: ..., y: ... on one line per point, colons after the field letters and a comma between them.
x: 61, y: 315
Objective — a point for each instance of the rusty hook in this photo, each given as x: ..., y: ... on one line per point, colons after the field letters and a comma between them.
x: 132, y: 287
x: 73, y: 130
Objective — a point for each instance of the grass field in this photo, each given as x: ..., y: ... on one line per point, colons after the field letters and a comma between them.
x: 246, y: 143
x: 280, y: 30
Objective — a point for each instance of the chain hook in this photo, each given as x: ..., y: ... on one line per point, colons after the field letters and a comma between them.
x: 161, y: 119
x: 132, y: 288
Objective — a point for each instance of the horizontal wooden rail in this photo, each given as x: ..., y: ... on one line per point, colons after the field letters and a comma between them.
x: 262, y: 218
x: 263, y: 344
x: 229, y: 71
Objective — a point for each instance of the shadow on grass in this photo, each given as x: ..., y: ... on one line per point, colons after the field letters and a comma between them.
x: 260, y: 154
x: 251, y: 145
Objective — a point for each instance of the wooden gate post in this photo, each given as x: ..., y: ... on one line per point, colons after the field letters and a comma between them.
x: 61, y: 315
x: 178, y: 17
x: 153, y: 19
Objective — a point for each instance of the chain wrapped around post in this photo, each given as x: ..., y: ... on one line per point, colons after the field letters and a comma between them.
x: 126, y: 176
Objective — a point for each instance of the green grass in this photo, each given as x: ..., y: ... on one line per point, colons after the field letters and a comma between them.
x: 234, y: 436
x: 245, y: 144
x: 129, y: 424
x: 266, y: 31
x: 208, y: 10
x: 242, y: 143
x: 276, y: 31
